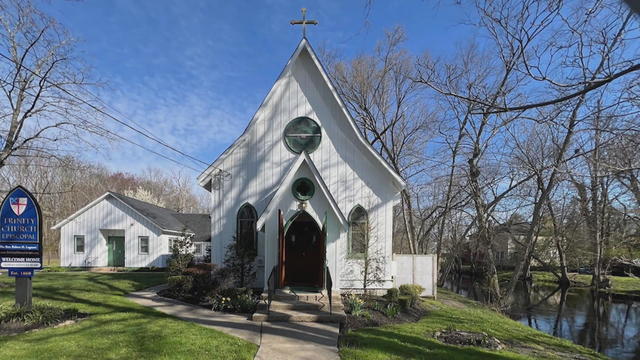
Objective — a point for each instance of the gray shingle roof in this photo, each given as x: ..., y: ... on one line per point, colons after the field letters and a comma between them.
x: 200, y: 224
x: 167, y: 219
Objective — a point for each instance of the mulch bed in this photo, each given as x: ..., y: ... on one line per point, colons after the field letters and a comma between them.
x: 379, y: 319
x: 16, y: 328
x: 468, y: 338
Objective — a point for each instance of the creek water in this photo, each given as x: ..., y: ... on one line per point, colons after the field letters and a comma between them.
x: 608, y: 324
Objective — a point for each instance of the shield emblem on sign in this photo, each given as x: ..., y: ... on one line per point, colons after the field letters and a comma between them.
x: 18, y: 205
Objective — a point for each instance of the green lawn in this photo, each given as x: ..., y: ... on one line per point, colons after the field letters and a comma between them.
x: 625, y: 285
x: 117, y: 328
x: 414, y: 340
x: 620, y: 284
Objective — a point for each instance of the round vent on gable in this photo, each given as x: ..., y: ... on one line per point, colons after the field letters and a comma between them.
x: 303, y: 189
x: 302, y: 134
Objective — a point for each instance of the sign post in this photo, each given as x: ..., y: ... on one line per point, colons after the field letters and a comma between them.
x: 21, y: 240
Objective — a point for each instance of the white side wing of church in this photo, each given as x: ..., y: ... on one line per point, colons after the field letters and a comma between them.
x: 304, y: 185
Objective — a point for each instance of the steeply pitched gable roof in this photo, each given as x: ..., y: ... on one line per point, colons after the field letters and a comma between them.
x: 165, y: 219
x: 285, y: 185
x: 304, y: 45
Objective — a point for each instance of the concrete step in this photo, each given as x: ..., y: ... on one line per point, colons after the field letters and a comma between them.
x: 290, y: 304
x: 299, y: 316
x: 287, y: 295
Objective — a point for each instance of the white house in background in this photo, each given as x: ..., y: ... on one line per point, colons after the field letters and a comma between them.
x: 117, y: 230
x: 306, y: 188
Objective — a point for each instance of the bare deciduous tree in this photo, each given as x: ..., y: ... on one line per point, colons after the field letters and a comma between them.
x: 380, y: 94
x: 43, y: 83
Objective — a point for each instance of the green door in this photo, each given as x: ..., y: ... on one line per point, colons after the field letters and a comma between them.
x: 115, y: 250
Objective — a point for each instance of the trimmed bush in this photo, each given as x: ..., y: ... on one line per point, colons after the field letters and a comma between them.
x: 61, y: 269
x: 180, y: 285
x: 392, y: 295
x: 413, y: 291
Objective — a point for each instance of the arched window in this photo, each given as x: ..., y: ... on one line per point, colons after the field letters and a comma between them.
x: 358, y: 230
x: 246, y: 227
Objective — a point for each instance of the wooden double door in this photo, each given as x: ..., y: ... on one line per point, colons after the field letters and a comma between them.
x: 301, y: 252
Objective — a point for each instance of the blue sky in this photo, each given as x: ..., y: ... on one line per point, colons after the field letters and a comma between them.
x: 194, y: 72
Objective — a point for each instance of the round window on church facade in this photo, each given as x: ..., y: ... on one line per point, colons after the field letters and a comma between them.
x: 302, y: 134
x: 303, y: 189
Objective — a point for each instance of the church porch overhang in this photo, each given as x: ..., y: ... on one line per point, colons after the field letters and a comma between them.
x: 303, y: 164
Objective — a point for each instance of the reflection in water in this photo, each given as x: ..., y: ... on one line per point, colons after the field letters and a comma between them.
x: 610, y: 326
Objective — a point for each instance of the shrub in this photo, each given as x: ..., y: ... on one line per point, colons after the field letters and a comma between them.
x: 392, y: 310
x: 201, y: 282
x: 40, y: 314
x: 392, y: 295
x: 223, y: 278
x: 149, y: 269
x: 178, y: 263
x: 61, y: 269
x: 240, y: 259
x: 180, y: 285
x: 413, y: 291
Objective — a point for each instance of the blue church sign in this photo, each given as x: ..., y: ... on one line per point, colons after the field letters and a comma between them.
x: 20, y: 232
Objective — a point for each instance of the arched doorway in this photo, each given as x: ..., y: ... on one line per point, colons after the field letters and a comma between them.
x: 304, y: 252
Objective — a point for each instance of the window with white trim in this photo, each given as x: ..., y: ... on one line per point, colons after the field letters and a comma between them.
x: 358, y: 230
x: 171, y: 241
x: 143, y: 245
x: 78, y: 244
x: 198, y: 249
x: 246, y: 227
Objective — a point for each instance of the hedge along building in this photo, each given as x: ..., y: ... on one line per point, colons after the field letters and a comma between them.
x: 119, y: 231
x: 306, y: 188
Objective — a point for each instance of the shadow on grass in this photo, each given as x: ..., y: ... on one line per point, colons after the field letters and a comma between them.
x: 117, y: 327
x: 396, y: 344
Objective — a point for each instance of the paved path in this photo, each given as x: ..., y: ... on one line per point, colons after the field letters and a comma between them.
x: 232, y: 324
x: 298, y: 340
x: 277, y: 340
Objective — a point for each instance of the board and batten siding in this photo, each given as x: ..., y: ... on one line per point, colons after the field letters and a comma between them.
x: 260, y: 160
x: 111, y: 217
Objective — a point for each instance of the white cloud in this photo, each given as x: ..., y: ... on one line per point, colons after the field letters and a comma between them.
x: 195, y: 120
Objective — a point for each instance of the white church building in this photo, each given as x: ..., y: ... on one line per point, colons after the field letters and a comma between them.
x: 304, y: 187
x: 301, y: 186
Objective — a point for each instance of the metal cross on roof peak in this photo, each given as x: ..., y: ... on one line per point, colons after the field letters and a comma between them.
x: 304, y: 22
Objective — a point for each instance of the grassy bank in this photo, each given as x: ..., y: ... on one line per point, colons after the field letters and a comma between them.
x: 116, y: 328
x: 621, y: 285
x: 415, y: 341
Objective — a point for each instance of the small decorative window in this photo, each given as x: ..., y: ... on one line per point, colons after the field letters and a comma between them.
x: 246, y: 227
x: 143, y: 245
x: 302, y: 134
x: 198, y: 249
x: 78, y: 244
x: 303, y: 189
x: 358, y: 230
